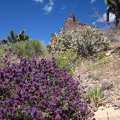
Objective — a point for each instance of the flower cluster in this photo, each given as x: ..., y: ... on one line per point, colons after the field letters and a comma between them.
x: 39, y: 90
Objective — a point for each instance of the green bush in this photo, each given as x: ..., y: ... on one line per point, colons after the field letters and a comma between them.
x: 32, y: 48
x: 19, y: 48
x: 66, y: 61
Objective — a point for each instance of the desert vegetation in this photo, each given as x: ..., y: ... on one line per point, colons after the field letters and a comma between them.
x: 39, y: 82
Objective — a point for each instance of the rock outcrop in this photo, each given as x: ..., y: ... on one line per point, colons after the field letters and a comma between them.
x: 70, y: 23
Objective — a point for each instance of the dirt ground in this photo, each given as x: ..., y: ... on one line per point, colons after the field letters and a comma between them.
x: 107, y: 114
x: 105, y: 70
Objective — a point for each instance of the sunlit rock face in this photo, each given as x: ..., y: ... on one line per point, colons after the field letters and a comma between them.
x: 71, y: 23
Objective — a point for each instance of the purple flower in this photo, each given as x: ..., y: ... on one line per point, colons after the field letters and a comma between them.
x: 21, y: 108
x: 52, y: 104
x: 34, y: 112
x: 16, y: 97
x: 35, y: 118
x: 18, y: 90
x: 43, y: 118
x: 1, y: 110
x: 36, y: 93
x: 58, y: 117
x: 28, y: 112
x: 15, y: 104
x: 48, y: 110
x: 40, y: 86
x: 8, y: 102
x: 33, y: 97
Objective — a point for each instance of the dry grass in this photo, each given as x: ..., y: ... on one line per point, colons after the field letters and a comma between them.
x: 107, y: 69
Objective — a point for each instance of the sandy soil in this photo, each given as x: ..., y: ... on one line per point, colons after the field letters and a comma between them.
x: 107, y: 114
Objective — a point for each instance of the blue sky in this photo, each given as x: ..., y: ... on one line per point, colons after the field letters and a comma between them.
x: 40, y: 18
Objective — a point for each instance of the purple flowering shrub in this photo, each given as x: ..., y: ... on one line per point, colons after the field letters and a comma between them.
x: 39, y: 90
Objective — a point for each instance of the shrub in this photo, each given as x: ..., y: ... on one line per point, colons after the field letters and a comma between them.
x: 66, y: 61
x: 32, y: 48
x: 39, y: 90
x: 85, y: 41
x: 19, y: 48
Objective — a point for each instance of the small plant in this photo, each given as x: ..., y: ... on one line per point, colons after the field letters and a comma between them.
x: 40, y: 90
x: 100, y: 55
x: 66, y: 61
x: 95, y: 75
x: 94, y: 94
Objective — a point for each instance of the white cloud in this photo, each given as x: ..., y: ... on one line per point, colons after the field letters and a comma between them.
x: 92, y: 1
x: 103, y: 19
x: 41, y: 1
x: 48, y: 8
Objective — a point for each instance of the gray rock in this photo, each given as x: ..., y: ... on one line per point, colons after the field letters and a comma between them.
x: 106, y: 85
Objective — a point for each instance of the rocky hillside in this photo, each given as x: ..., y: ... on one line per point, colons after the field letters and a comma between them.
x: 79, y: 37
x: 70, y: 24
x: 103, y: 70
